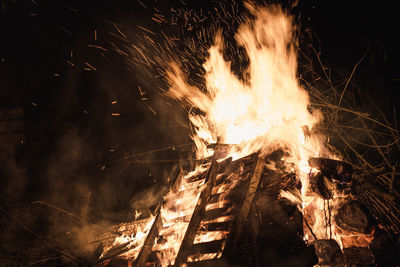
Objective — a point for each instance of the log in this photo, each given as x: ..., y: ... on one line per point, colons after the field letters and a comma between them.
x: 321, y: 186
x: 149, y: 242
x: 358, y: 256
x: 216, y: 226
x: 351, y: 217
x: 333, y: 169
x: 220, y: 150
x: 328, y: 253
x: 216, y: 213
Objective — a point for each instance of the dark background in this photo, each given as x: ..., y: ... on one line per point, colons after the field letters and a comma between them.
x: 76, y: 153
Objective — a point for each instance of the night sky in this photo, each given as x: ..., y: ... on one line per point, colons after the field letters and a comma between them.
x: 76, y: 149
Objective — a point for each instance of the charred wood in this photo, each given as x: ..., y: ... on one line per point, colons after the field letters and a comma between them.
x: 216, y: 226
x: 358, y: 256
x: 207, y: 247
x: 246, y: 207
x: 352, y: 217
x: 329, y: 253
x: 333, y: 169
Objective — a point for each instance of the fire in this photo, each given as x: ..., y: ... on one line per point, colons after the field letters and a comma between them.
x: 176, y: 213
x: 265, y: 111
x: 133, y: 242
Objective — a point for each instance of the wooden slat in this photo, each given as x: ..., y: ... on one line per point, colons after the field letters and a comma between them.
x: 217, y: 226
x: 218, y: 212
x: 208, y: 247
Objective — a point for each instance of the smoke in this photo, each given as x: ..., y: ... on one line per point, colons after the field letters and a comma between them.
x: 14, y: 176
x: 147, y: 199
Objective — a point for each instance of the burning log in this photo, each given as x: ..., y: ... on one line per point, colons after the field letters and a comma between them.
x: 338, y: 171
x: 220, y: 150
x: 321, y: 186
x: 334, y: 176
x: 329, y: 253
x: 351, y: 217
x: 358, y: 256
x: 115, y: 251
x: 149, y: 242
x: 381, y: 204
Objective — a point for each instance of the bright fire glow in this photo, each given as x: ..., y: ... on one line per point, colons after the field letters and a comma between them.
x: 176, y: 214
x: 268, y: 110
x: 134, y: 241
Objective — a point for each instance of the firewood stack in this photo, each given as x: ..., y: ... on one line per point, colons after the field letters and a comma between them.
x: 351, y: 220
x: 241, y: 219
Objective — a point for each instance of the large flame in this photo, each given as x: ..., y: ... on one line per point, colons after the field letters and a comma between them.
x: 267, y: 110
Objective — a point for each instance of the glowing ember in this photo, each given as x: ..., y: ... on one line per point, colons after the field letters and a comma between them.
x: 134, y: 242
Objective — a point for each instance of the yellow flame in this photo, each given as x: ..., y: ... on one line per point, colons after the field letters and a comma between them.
x: 176, y: 213
x: 267, y: 110
x: 134, y: 241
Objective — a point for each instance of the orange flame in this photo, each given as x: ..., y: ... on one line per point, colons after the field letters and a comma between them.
x: 269, y: 109
x: 266, y: 111
x: 176, y: 213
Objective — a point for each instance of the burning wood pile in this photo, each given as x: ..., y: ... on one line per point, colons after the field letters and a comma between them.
x: 237, y: 212
x: 278, y: 185
x: 195, y: 221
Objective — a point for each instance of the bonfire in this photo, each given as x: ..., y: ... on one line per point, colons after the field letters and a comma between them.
x: 263, y: 162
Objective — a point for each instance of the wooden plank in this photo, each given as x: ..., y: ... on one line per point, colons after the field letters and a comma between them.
x: 149, y: 242
x: 154, y: 230
x: 197, y: 216
x: 217, y: 226
x: 246, y: 207
x: 207, y: 247
x: 218, y: 212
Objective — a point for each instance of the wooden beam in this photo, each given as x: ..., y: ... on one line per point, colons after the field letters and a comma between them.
x: 149, y: 242
x: 157, y: 224
x: 243, y: 214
